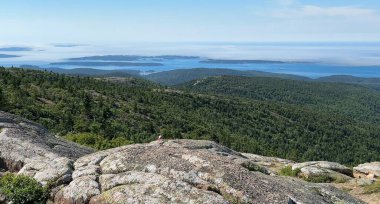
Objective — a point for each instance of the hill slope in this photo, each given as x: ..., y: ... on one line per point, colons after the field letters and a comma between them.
x: 354, y: 101
x: 368, y: 82
x: 121, y: 112
x: 87, y: 71
x: 179, y: 76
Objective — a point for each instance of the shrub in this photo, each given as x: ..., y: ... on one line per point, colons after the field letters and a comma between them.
x: 320, y: 179
x: 254, y: 167
x: 288, y: 171
x: 96, y: 141
x: 21, y: 189
x: 372, y: 188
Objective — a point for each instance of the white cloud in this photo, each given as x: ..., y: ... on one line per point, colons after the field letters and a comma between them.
x: 310, y: 22
x: 311, y: 10
x: 318, y: 11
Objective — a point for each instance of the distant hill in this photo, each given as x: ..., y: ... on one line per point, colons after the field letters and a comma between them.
x: 66, y: 45
x: 179, y: 76
x: 368, y: 82
x: 8, y: 56
x: 96, y: 72
x: 88, y: 71
x: 351, y: 100
x: 122, y: 58
x: 221, y: 61
x: 15, y: 49
x: 108, y: 63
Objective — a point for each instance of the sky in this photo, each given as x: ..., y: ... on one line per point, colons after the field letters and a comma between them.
x: 116, y: 21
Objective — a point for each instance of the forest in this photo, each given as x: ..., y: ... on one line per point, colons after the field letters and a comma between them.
x: 355, y: 101
x: 297, y: 124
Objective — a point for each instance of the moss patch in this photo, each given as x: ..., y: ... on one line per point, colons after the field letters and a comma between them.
x: 372, y: 188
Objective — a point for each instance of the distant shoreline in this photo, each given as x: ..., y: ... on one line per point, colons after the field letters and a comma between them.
x: 101, y: 64
x: 8, y: 56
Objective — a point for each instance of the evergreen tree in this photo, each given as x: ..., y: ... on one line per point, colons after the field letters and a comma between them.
x: 3, y: 100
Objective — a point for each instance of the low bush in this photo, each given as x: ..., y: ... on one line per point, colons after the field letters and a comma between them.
x: 254, y: 167
x: 22, y: 189
x: 320, y: 179
x: 96, y: 141
x: 288, y: 171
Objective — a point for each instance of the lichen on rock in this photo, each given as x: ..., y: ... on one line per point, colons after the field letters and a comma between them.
x: 185, y: 171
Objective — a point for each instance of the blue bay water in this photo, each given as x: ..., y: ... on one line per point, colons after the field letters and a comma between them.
x: 321, y: 59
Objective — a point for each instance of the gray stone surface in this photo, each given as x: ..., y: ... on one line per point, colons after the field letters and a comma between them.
x: 272, y: 165
x: 80, y: 190
x: 184, y: 171
x: 364, y: 181
x: 324, y: 165
x: 2, y: 199
x: 333, y: 170
x: 368, y: 168
x: 29, y: 149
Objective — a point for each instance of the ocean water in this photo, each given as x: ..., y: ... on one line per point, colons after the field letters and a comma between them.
x: 305, y: 59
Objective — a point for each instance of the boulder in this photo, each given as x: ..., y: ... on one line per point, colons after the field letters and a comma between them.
x: 44, y: 170
x: 368, y: 170
x: 364, y: 181
x: 264, y: 159
x: 271, y: 164
x: 28, y: 148
x: 184, y: 171
x: 323, y: 171
x: 80, y: 190
x: 324, y: 165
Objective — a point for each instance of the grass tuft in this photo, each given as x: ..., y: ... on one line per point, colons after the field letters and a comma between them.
x: 372, y: 188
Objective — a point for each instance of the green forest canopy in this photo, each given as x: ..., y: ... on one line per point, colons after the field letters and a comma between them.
x: 137, y: 111
x: 355, y: 101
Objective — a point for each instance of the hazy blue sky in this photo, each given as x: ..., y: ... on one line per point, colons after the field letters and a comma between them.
x: 113, y: 21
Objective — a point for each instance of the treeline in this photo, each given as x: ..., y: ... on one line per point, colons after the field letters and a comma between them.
x: 89, y: 110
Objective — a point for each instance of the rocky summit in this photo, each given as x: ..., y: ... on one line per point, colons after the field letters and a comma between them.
x: 167, y: 171
x: 185, y: 171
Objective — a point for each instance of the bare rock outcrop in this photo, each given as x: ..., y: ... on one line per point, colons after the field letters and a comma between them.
x: 272, y: 165
x: 28, y: 148
x: 184, y: 171
x: 369, y: 170
x: 173, y: 171
x: 332, y: 170
x: 332, y: 166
